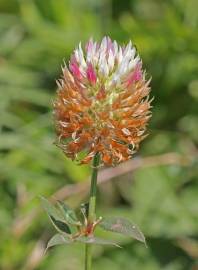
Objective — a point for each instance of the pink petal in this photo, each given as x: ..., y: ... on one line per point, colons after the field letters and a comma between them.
x: 91, y: 75
x: 73, y: 66
x: 89, y: 45
x: 136, y: 75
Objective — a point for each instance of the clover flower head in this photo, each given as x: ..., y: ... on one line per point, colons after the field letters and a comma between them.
x: 102, y: 103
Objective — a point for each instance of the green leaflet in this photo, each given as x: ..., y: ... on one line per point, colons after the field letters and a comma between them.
x: 55, y: 216
x: 122, y: 226
x: 60, y: 226
x: 49, y: 208
x: 59, y: 239
x: 68, y: 214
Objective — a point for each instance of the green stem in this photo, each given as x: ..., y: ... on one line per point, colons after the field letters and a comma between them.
x: 92, y: 208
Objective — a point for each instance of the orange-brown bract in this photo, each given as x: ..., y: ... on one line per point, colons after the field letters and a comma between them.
x: 102, y: 103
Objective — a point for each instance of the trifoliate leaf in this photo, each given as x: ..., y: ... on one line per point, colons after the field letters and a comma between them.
x: 122, y: 226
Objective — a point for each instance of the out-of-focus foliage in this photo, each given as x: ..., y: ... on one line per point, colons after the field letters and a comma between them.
x: 35, y: 37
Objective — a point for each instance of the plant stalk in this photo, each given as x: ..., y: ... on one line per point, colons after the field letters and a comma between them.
x: 92, y: 208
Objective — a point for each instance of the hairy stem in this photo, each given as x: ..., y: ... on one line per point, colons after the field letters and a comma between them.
x: 92, y: 208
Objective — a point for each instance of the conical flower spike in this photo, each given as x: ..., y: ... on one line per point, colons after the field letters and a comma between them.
x: 102, y: 103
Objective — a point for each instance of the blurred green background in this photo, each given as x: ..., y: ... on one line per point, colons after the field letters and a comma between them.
x: 160, y: 195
